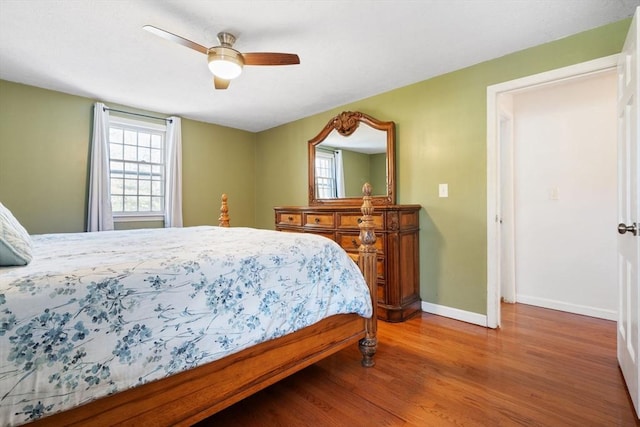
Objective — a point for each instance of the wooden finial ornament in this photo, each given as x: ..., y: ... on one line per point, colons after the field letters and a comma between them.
x: 223, y: 219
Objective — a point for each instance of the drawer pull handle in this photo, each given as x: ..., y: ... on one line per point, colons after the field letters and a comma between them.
x: 359, y: 220
x: 354, y: 243
x: 290, y: 218
x: 317, y: 220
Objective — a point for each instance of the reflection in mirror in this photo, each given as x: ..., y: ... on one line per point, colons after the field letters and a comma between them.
x: 352, y: 149
x: 345, y: 163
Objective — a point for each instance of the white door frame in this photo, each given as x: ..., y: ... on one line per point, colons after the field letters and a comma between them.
x: 494, y: 235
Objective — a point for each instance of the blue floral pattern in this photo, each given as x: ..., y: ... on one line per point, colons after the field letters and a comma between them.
x: 97, y: 313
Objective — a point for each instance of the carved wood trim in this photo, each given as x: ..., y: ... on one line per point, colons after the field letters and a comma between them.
x: 346, y: 122
x: 223, y: 219
x: 367, y: 262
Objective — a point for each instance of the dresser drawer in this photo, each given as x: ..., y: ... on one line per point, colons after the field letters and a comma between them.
x: 289, y: 218
x: 401, y: 220
x: 352, y: 220
x: 351, y: 242
x: 381, y: 288
x: 379, y: 265
x: 318, y: 219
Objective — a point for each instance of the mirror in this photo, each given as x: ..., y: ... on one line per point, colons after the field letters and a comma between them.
x: 353, y: 148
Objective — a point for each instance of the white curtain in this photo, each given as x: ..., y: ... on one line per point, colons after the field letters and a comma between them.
x: 100, y: 216
x: 173, y: 191
x: 338, y: 164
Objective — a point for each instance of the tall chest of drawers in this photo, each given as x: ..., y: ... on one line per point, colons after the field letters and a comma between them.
x: 396, y: 228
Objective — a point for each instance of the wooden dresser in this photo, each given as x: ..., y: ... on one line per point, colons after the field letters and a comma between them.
x: 396, y: 228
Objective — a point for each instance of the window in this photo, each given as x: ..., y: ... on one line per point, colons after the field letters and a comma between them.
x: 137, y: 164
x: 326, y: 187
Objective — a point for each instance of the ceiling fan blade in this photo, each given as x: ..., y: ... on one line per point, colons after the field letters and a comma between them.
x: 219, y: 83
x: 270, y: 58
x: 176, y: 39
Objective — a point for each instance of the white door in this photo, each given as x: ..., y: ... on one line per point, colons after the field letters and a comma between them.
x: 629, y: 212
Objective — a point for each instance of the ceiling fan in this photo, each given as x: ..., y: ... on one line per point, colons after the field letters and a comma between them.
x: 224, y: 61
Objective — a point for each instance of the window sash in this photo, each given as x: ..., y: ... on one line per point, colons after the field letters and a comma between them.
x: 326, y: 187
x: 137, y: 156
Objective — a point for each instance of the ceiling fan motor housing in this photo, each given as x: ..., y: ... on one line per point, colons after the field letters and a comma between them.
x: 225, y: 62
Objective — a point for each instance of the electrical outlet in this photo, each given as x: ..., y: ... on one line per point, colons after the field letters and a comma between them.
x: 443, y: 190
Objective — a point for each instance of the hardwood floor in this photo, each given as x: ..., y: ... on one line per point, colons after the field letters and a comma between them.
x: 542, y: 368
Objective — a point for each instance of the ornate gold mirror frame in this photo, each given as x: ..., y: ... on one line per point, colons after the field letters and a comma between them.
x: 344, y: 125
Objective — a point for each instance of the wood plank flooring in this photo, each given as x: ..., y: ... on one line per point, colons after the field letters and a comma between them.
x: 542, y: 368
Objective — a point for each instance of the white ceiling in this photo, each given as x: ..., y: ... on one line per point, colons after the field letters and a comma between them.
x: 349, y: 49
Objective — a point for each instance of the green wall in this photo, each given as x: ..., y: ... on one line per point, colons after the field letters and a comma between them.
x: 44, y: 152
x: 360, y: 168
x: 441, y: 138
x: 217, y: 160
x: 356, y: 172
x: 378, y: 173
x: 45, y: 141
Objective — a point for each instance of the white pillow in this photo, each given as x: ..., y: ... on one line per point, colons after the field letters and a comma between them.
x: 15, y: 242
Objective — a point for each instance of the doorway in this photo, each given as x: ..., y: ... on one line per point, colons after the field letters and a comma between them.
x: 505, y: 200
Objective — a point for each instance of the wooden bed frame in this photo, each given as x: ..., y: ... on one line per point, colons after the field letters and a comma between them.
x: 191, y: 396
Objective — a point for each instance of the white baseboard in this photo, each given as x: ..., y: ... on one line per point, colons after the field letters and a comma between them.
x: 455, y: 313
x: 568, y: 307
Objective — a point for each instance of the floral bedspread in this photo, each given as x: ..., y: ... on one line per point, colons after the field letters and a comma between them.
x: 96, y: 313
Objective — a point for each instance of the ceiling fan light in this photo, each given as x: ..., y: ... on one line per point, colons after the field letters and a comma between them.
x: 225, y: 63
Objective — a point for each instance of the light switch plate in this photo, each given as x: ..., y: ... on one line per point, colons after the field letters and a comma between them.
x: 443, y: 190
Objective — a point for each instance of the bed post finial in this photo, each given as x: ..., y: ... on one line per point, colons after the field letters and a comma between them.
x: 367, y: 264
x: 223, y: 219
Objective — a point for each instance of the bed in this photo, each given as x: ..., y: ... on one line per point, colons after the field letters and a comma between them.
x: 70, y: 338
